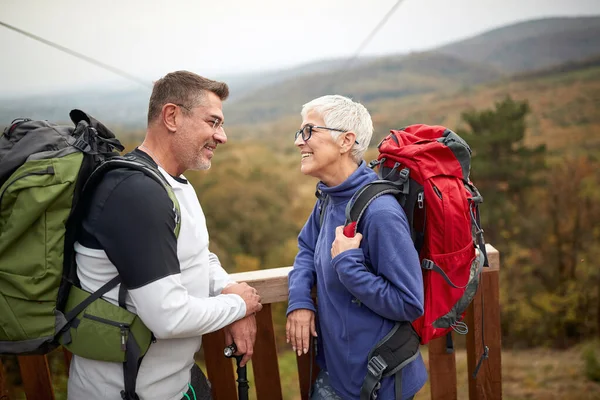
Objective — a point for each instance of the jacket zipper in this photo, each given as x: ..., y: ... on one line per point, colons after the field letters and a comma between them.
x: 47, y: 171
x: 124, y: 327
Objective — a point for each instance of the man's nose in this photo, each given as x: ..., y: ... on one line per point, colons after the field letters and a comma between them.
x: 221, y: 136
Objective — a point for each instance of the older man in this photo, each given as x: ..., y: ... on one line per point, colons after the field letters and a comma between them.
x: 173, y: 282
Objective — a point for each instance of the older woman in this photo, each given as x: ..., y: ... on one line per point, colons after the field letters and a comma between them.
x: 365, y: 284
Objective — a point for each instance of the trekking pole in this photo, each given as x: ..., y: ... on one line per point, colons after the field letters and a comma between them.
x: 242, y: 379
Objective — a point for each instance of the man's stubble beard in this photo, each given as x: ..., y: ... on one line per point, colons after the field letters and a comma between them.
x: 202, y: 167
x: 193, y: 161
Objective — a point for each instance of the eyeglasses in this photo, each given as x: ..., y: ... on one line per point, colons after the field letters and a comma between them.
x: 217, y: 123
x: 306, y: 131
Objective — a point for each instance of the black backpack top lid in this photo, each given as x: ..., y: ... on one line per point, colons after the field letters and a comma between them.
x: 77, y: 116
x: 25, y: 137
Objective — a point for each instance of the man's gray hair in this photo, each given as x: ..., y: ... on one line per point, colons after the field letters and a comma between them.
x: 183, y: 88
x: 340, y: 112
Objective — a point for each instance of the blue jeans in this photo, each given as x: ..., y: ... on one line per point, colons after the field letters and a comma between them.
x: 322, y: 389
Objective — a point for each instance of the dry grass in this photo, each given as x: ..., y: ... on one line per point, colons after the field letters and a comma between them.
x: 546, y: 375
x: 536, y: 374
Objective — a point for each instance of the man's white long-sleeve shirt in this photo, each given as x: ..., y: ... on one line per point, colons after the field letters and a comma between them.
x: 174, y: 284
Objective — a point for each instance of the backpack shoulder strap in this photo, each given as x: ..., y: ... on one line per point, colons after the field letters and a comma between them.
x: 365, y: 196
x: 138, y: 164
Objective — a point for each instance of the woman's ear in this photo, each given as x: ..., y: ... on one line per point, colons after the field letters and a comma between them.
x: 348, y: 141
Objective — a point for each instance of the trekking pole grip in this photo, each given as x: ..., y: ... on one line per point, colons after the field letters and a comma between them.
x: 242, y: 377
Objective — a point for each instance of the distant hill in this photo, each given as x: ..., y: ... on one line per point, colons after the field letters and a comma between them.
x: 593, y: 61
x: 118, y: 109
x: 385, y: 77
x: 564, y: 101
x: 565, y: 107
x: 272, y: 95
x: 242, y: 84
x: 532, y: 44
x: 518, y: 48
x: 126, y: 109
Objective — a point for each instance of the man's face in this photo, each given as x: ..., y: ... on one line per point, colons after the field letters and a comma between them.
x: 199, y: 133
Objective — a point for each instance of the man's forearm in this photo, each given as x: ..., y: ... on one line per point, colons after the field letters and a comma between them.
x: 170, y: 312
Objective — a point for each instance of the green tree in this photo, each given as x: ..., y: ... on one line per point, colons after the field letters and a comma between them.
x: 503, y: 168
x: 247, y: 199
x: 551, y: 290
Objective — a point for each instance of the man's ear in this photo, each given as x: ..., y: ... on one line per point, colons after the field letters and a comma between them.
x: 169, y: 116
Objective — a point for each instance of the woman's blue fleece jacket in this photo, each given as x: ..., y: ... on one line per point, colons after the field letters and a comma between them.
x: 357, y: 305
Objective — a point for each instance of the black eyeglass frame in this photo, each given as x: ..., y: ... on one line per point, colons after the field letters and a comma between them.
x: 310, y: 129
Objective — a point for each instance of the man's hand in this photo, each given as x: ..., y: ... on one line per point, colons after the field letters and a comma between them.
x: 248, y: 294
x: 343, y: 243
x: 243, y: 334
x: 300, y: 323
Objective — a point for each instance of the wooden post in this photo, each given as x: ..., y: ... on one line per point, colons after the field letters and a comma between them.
x: 488, y: 383
x: 442, y: 371
x: 272, y: 286
x: 219, y: 368
x: 35, y: 374
x: 264, y: 360
x: 3, y: 385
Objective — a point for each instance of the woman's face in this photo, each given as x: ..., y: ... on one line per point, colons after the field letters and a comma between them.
x: 320, y: 153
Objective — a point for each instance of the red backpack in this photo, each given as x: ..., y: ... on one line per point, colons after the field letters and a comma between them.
x: 427, y: 168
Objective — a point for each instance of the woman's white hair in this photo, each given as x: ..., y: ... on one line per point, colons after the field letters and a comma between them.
x: 340, y: 112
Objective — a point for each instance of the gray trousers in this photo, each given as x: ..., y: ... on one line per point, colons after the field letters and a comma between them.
x: 200, y: 384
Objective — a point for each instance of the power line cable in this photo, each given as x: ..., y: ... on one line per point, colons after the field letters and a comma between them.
x: 341, y: 71
x: 93, y: 61
x: 373, y: 32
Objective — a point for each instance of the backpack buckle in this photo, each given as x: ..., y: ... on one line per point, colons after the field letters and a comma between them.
x: 427, y: 264
x: 82, y: 145
x: 403, y: 174
x: 376, y: 366
x: 374, y: 163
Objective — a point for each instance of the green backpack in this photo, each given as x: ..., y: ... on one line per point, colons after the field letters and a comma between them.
x: 46, y: 173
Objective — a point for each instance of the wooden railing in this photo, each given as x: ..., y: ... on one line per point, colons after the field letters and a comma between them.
x: 272, y: 285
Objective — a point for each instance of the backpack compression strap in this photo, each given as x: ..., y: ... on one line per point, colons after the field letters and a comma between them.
x: 476, y: 221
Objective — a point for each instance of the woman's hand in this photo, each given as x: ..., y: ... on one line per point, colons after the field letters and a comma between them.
x: 343, y: 243
x: 300, y: 325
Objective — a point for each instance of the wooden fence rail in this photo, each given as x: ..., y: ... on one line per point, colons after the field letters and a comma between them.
x: 272, y: 285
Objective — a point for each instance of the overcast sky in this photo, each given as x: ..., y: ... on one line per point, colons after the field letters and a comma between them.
x: 149, y: 38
